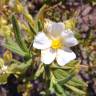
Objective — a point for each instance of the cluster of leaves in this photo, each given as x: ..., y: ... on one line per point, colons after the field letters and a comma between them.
x: 57, y: 78
x: 62, y: 81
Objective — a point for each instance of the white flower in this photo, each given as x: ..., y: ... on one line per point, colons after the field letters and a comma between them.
x: 55, y: 43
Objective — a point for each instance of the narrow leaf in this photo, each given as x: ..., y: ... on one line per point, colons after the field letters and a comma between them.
x: 18, y: 36
x: 19, y: 67
x: 32, y: 29
x: 76, y: 90
x: 13, y: 46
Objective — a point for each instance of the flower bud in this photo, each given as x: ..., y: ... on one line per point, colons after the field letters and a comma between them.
x: 7, y: 56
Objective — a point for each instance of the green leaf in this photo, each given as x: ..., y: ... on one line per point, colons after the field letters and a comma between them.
x: 72, y: 83
x: 13, y: 46
x: 39, y: 71
x: 67, y: 92
x: 40, y: 26
x: 59, y: 90
x: 32, y: 29
x: 18, y: 36
x: 3, y: 78
x: 72, y: 63
x: 58, y: 67
x: 19, y: 67
x: 29, y: 18
x: 1, y: 62
x: 60, y: 74
x: 79, y: 81
x: 68, y: 78
x: 76, y: 90
x: 65, y: 77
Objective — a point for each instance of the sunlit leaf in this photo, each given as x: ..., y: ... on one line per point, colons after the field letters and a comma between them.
x: 13, y: 46
x: 78, y: 91
x: 3, y: 78
x: 19, y: 67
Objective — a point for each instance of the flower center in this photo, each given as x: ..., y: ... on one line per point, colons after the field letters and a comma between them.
x: 56, y: 44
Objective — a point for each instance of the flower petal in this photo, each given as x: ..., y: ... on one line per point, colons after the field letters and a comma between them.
x: 55, y: 29
x: 71, y: 41
x: 68, y: 38
x: 67, y: 33
x: 47, y: 23
x: 41, y: 41
x: 64, y: 56
x: 48, y: 55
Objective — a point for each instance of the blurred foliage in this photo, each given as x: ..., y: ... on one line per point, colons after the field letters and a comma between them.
x: 18, y: 27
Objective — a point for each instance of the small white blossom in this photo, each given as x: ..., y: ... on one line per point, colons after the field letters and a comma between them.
x: 55, y: 43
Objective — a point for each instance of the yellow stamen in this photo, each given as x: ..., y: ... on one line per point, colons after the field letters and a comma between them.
x: 56, y: 44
